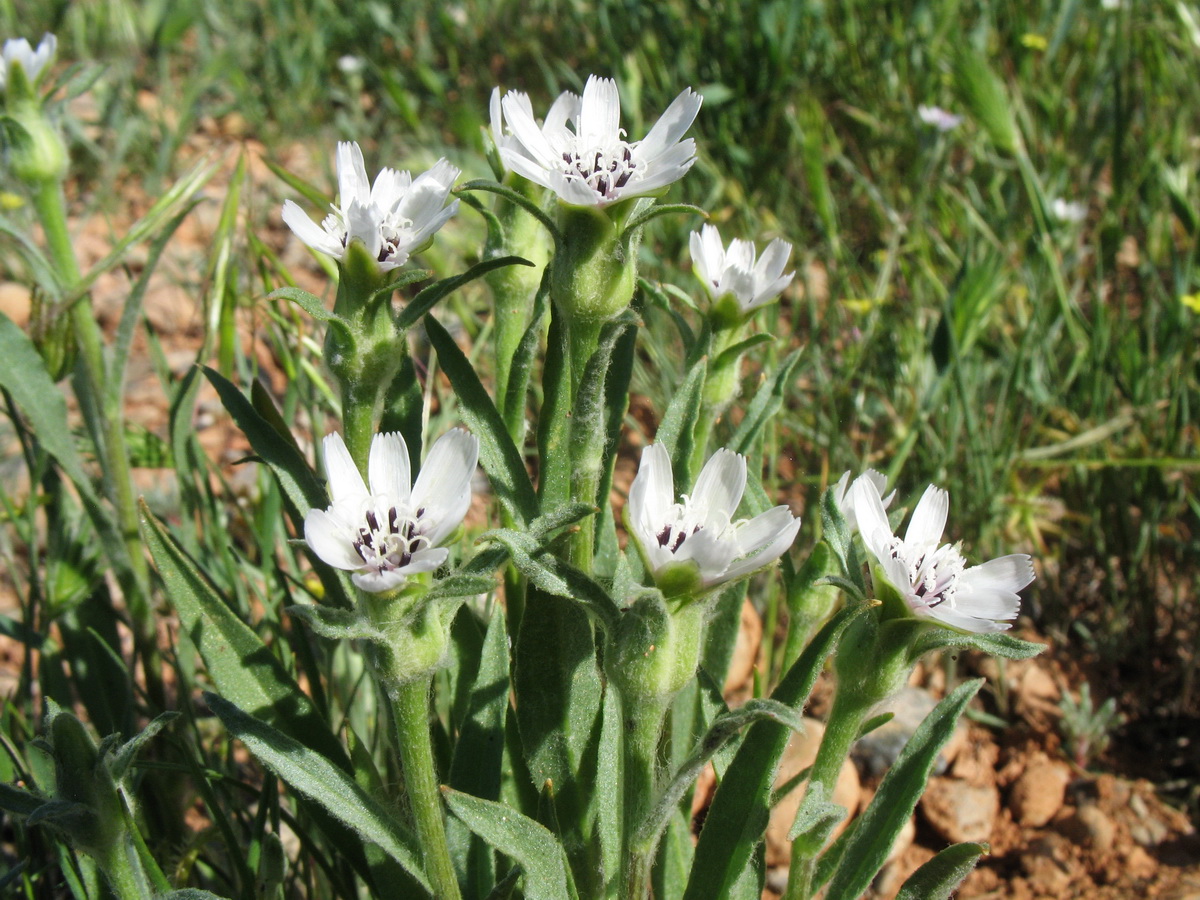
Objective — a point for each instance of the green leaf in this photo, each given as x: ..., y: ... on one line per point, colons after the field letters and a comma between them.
x: 985, y: 96
x: 816, y: 819
x: 740, y: 809
x: 315, y: 307
x: 497, y: 453
x: 531, y: 846
x: 676, y: 431
x: 937, y: 879
x: 125, y: 755
x: 189, y: 894
x: 554, y: 576
x: 867, y: 847
x: 317, y: 778
x: 19, y: 802
x: 482, y: 184
x: 241, y: 666
x: 476, y: 765
x: 996, y: 643
x: 289, y: 466
x: 724, y: 727
x: 667, y: 209
x: 25, y: 377
x: 730, y: 355
x: 427, y: 297
x: 766, y: 403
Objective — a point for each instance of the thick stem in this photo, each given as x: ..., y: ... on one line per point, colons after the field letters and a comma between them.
x: 410, y: 705
x: 720, y: 387
x: 587, y: 466
x: 122, y: 868
x: 845, y: 720
x: 643, y: 724
x: 134, y: 575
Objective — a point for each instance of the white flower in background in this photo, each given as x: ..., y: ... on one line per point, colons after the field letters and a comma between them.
x: 19, y: 50
x: 735, y: 271
x: 696, y: 540
x: 393, y: 217
x: 933, y: 578
x: 941, y: 119
x: 391, y: 531
x: 580, y: 151
x: 1068, y: 211
x: 844, y: 499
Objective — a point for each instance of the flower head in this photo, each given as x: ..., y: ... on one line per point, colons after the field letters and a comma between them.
x: 393, y: 217
x: 580, y: 151
x: 1068, y: 210
x: 933, y: 578
x: 392, y: 530
x: 941, y: 119
x: 735, y: 271
x: 695, y: 545
x: 19, y: 50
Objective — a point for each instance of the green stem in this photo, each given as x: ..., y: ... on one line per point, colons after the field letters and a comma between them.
x: 411, y: 712
x: 358, y: 423
x: 845, y: 721
x: 720, y: 386
x: 133, y: 573
x: 643, y: 724
x: 583, y: 336
x: 124, y: 872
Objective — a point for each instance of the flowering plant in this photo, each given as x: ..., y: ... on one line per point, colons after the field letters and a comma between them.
x: 527, y: 711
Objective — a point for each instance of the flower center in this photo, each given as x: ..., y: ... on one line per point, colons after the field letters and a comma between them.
x: 390, y: 543
x: 604, y: 169
x: 932, y: 571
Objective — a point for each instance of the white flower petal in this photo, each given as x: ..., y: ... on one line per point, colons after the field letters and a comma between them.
x: 426, y: 560
x: 352, y: 175
x: 1004, y: 573
x: 443, y: 487
x: 719, y: 488
x: 600, y: 114
x: 388, y: 468
x: 519, y: 117
x: 764, y: 539
x: 929, y: 518
x: 330, y: 541
x: 651, y: 494
x: 376, y: 582
x: 309, y: 231
x: 672, y: 125
x: 566, y: 108
x: 345, y: 481
x: 863, y: 499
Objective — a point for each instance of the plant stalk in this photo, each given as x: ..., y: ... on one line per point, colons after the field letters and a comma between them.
x: 410, y: 705
x: 643, y: 723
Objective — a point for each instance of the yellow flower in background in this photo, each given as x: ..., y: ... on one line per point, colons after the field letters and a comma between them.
x: 1033, y: 41
x: 1191, y: 301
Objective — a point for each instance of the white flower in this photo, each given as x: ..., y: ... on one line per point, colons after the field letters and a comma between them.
x: 844, y: 499
x: 933, y: 578
x: 392, y: 217
x: 19, y: 50
x: 734, y: 271
x: 391, y: 531
x: 941, y: 119
x: 580, y: 151
x: 1068, y: 211
x: 697, y: 541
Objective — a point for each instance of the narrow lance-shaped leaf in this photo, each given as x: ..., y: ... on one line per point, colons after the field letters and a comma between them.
x: 497, y: 453
x: 241, y: 666
x: 427, y: 297
x: 317, y: 778
x: 937, y: 879
x: 868, y: 845
x: 740, y: 810
x: 530, y: 845
x: 676, y: 431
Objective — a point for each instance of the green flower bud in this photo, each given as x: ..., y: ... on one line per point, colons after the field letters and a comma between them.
x: 34, y: 149
x: 656, y: 649
x: 595, y: 268
x: 414, y: 635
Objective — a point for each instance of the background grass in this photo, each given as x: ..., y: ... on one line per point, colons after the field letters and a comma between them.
x: 955, y: 330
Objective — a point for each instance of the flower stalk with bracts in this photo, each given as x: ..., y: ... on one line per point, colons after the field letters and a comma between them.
x: 580, y: 151
x: 388, y: 528
x: 933, y: 578
x: 695, y: 545
x: 394, y: 217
